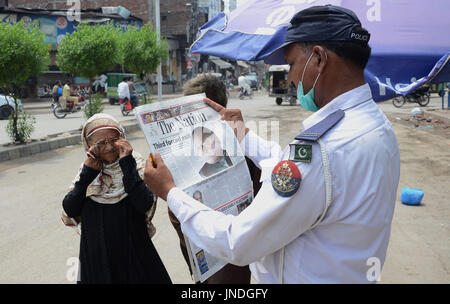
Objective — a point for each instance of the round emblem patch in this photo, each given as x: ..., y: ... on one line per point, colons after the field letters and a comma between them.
x: 286, y: 178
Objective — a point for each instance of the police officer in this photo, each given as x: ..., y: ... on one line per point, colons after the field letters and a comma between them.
x: 324, y: 212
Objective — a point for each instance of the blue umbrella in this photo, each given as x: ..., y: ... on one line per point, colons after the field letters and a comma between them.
x: 410, y: 39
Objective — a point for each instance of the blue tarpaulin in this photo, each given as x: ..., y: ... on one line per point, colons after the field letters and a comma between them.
x: 410, y: 39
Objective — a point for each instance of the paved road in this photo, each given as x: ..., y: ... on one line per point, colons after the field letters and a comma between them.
x: 35, y: 247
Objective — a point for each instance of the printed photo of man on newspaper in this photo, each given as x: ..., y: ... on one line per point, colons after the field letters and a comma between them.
x: 209, y: 145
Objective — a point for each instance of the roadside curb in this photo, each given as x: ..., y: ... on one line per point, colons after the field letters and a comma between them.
x: 16, y: 152
x: 42, y: 105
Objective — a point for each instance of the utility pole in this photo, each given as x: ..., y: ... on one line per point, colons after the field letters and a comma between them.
x: 151, y: 17
x: 158, y: 33
x: 193, y: 29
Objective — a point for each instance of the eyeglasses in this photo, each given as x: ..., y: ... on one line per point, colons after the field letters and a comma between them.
x: 101, y: 144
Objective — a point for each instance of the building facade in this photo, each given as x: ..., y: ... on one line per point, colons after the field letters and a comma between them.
x: 55, y: 24
x: 142, y: 9
x: 179, y: 19
x: 175, y: 20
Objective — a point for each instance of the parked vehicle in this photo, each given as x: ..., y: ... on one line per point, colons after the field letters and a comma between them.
x: 278, y: 86
x: 421, y: 96
x: 7, y: 106
x: 253, y: 78
x: 113, y: 83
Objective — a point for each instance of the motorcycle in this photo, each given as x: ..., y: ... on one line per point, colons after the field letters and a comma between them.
x: 126, y: 107
x: 244, y: 93
x: 421, y: 96
x: 59, y: 112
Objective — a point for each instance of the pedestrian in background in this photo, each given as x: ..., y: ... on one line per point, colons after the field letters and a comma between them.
x: 114, y: 206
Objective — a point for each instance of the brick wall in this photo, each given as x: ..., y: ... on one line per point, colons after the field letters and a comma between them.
x: 175, y: 16
x: 138, y: 8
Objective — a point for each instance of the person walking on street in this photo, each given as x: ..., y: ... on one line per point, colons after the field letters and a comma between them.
x: 324, y: 211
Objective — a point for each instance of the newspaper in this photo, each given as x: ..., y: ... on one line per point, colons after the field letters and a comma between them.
x: 205, y: 159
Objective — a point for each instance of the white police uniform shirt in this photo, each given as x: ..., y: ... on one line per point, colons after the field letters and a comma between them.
x: 364, y: 161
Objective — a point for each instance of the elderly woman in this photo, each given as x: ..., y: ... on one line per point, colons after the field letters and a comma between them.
x: 112, y: 202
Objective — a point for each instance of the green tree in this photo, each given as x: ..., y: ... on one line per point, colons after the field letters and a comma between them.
x: 89, y: 51
x: 95, y: 106
x: 140, y: 50
x: 23, y: 54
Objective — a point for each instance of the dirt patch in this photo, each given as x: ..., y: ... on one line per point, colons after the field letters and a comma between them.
x: 425, y: 122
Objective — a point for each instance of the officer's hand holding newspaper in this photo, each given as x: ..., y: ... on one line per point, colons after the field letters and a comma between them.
x: 158, y: 177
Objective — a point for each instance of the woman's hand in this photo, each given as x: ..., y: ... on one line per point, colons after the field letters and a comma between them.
x: 92, y: 163
x: 124, y: 147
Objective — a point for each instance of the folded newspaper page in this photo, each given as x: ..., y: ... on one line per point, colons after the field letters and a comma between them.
x: 205, y: 159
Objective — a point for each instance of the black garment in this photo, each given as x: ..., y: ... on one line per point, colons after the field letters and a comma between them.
x: 255, y: 174
x: 115, y: 246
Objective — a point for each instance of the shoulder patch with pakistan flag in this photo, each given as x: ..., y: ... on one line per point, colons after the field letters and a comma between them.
x: 300, y: 153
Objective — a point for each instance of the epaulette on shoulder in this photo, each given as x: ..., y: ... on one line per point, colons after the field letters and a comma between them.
x: 319, y: 129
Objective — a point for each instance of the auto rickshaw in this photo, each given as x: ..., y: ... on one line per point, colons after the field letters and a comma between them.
x: 113, y: 83
x: 278, y: 86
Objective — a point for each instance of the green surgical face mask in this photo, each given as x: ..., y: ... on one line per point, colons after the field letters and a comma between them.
x: 307, y: 101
